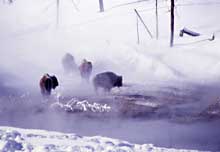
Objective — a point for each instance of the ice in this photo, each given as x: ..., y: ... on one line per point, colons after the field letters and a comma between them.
x: 75, y: 105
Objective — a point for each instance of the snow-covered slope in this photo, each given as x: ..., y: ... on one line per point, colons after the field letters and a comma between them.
x: 109, y: 39
x: 15, y: 139
x: 31, y: 44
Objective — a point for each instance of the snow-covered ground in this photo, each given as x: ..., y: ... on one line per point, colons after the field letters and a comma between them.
x: 15, y: 139
x: 177, y: 84
x: 109, y: 39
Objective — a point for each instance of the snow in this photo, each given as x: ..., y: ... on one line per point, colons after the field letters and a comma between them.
x: 32, y: 44
x: 28, y: 140
x: 81, y: 106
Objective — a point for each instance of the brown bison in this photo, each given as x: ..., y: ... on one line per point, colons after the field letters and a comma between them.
x: 47, y: 83
x: 69, y: 64
x: 85, y: 69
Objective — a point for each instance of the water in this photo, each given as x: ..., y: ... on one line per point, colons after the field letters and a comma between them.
x: 167, y: 116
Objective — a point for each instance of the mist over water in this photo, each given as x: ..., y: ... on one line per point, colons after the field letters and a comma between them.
x: 26, y: 108
x: 31, y: 46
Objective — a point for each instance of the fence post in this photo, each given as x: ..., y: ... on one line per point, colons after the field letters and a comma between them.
x: 57, y: 15
x: 138, y: 37
x: 101, y: 5
x: 172, y: 23
x: 157, y: 32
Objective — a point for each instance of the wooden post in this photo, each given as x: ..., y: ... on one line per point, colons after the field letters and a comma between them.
x: 157, y: 34
x: 101, y: 5
x: 172, y: 22
x: 57, y: 15
x: 138, y: 37
x: 138, y: 15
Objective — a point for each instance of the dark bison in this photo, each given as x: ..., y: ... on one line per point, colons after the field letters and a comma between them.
x: 68, y: 63
x: 85, y: 69
x: 107, y: 81
x: 47, y: 83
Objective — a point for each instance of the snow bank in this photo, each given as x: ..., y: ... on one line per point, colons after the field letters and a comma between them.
x: 15, y: 139
x: 31, y: 45
x: 109, y: 39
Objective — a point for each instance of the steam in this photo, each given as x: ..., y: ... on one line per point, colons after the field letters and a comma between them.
x: 31, y: 46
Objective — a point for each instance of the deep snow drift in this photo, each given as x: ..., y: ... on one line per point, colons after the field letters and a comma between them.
x: 14, y: 139
x: 176, y: 86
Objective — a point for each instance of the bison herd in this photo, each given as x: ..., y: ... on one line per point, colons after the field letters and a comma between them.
x: 104, y: 80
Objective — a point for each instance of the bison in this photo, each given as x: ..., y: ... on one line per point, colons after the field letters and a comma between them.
x: 85, y: 69
x: 69, y: 64
x: 47, y: 83
x: 107, y: 81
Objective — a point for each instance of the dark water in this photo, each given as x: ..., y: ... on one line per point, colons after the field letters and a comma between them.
x: 198, y: 135
x: 178, y: 118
